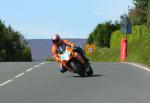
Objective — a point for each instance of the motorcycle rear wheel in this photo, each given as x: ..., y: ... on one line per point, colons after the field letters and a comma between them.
x: 90, y: 72
x: 77, y: 68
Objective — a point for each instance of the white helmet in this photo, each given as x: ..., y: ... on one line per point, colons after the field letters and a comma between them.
x: 56, y: 39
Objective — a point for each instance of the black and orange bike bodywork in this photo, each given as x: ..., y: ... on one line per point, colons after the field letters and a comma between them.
x: 73, y: 61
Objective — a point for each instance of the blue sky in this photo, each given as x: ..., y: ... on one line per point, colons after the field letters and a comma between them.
x: 40, y: 19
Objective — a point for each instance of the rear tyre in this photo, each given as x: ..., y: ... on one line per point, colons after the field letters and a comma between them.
x: 90, y: 71
x: 77, y: 68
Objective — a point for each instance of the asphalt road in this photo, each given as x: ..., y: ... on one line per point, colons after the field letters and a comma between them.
x: 42, y: 83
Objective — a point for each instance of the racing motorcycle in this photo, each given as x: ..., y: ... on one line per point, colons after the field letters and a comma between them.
x: 71, y: 60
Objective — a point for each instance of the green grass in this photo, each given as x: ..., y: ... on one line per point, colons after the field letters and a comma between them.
x: 138, y: 31
x: 139, y: 51
x: 50, y: 59
x: 105, y: 55
x: 138, y: 47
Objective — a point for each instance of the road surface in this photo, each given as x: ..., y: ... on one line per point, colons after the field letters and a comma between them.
x: 27, y: 82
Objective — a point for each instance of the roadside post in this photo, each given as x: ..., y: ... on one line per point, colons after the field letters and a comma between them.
x: 126, y: 28
x: 123, y: 50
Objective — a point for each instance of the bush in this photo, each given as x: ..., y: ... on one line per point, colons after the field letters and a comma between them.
x: 137, y: 32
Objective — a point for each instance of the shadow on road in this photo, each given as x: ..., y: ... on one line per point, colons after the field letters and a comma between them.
x: 95, y: 75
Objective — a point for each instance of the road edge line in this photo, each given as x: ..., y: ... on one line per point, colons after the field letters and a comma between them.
x: 145, y: 68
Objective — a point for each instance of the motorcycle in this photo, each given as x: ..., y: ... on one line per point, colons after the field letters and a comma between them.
x: 73, y: 62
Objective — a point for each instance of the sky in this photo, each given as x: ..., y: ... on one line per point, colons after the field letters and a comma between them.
x: 40, y: 19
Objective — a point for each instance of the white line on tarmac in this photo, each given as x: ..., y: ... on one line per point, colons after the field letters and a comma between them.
x: 19, y: 75
x: 42, y: 63
x: 8, y: 81
x: 138, y: 66
x: 36, y: 66
x: 29, y: 69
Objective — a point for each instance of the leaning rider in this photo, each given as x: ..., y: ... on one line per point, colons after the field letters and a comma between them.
x: 58, y: 41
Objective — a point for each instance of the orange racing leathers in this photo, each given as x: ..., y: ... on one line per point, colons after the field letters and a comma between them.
x: 63, y: 67
x: 54, y: 48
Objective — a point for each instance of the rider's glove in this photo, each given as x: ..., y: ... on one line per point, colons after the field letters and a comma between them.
x: 57, y: 59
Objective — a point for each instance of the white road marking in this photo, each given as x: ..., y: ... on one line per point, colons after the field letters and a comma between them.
x: 19, y: 75
x: 8, y: 81
x: 36, y: 66
x: 42, y: 63
x: 29, y: 69
x: 145, y: 68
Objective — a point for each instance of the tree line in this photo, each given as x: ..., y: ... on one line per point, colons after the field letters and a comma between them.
x: 13, y: 46
x: 138, y: 15
x: 102, y: 34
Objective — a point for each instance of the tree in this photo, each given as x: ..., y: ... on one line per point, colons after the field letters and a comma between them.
x: 148, y: 16
x: 13, y: 46
x: 138, y: 15
x: 102, y: 34
x: 90, y: 39
x: 141, y: 3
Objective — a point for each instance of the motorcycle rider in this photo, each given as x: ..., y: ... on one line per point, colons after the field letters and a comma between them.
x: 58, y: 41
